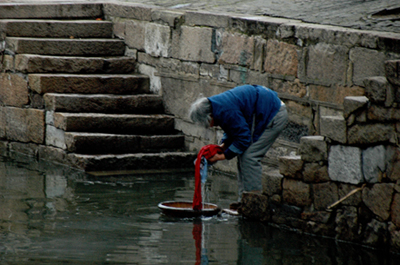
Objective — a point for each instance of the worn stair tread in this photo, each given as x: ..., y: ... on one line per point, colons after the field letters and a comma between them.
x: 36, y: 63
x: 114, y: 123
x: 162, y: 160
x: 51, y: 28
x: 101, y: 143
x: 90, y: 84
x: 63, y: 46
x: 103, y: 103
x: 51, y: 10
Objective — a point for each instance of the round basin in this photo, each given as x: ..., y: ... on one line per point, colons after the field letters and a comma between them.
x: 184, y: 209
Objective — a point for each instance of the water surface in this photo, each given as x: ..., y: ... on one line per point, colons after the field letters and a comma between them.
x: 54, y: 215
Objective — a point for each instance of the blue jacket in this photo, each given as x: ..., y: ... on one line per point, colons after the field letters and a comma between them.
x: 233, y: 111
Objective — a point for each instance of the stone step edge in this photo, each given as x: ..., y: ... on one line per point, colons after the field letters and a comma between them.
x: 104, y: 103
x: 103, y: 143
x: 162, y: 160
x: 81, y: 162
x: 51, y: 10
x: 41, y: 64
x: 100, y: 122
x: 47, y: 83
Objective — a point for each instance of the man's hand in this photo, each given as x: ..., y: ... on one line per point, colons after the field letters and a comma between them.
x: 216, y: 158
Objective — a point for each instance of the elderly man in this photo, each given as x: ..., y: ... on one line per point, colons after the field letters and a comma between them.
x: 252, y: 117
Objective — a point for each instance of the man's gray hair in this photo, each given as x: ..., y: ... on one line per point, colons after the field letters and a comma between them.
x: 200, y: 112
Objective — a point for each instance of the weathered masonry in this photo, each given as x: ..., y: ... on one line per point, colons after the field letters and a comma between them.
x: 341, y: 87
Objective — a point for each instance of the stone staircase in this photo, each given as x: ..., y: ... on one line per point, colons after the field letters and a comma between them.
x: 99, y: 114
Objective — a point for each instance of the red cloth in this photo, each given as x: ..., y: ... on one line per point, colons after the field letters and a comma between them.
x: 207, y: 151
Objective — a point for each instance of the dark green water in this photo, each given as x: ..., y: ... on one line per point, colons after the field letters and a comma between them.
x: 51, y: 215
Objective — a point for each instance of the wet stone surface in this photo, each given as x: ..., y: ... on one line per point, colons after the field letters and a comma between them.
x: 365, y: 15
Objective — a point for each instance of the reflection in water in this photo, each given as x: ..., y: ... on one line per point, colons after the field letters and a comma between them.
x: 54, y: 215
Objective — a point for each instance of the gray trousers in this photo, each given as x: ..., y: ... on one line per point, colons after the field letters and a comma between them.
x: 249, y: 162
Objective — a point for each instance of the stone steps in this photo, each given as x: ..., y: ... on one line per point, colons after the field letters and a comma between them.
x: 40, y: 28
x: 66, y: 47
x: 89, y: 84
x: 33, y: 63
x: 100, y: 114
x: 128, y: 104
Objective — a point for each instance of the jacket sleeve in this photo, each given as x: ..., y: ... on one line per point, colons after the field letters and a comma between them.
x: 237, y: 132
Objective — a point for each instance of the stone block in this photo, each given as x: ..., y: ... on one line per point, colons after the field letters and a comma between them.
x: 313, y: 148
x: 331, y: 34
x: 299, y: 113
x: 324, y: 195
x: 315, y: 173
x: 255, y: 77
x: 395, y: 210
x: 236, y: 49
x: 335, y: 93
x: 25, y: 125
x: 296, y: 193
x: 370, y: 133
x: 254, y: 206
x: 208, y: 19
x: 291, y: 166
x: 129, y: 10
x: 259, y: 54
x: 287, y: 30
x: 375, y: 234
x: 119, y: 27
x: 157, y: 40
x: 345, y: 164
x: 366, y: 63
x: 3, y: 148
x: 3, y: 122
x: 281, y: 58
x: 393, y: 163
x: 347, y: 223
x: 327, y: 64
x: 210, y: 70
x: 378, y: 199
x: 352, y: 104
x: 8, y: 62
x: 272, y: 182
x: 293, y: 88
x: 152, y: 73
x: 172, y: 18
x: 345, y: 189
x: 55, y: 137
x: 377, y: 90
x: 135, y: 34
x: 333, y: 127
x: 392, y: 71
x: 26, y: 149
x: 239, y: 75
x: 374, y: 163
x: 395, y: 240
x: 13, y: 90
x: 193, y: 44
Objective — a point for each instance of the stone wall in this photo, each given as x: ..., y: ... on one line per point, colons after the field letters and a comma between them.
x: 346, y: 183
x: 341, y: 90
x: 312, y: 67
